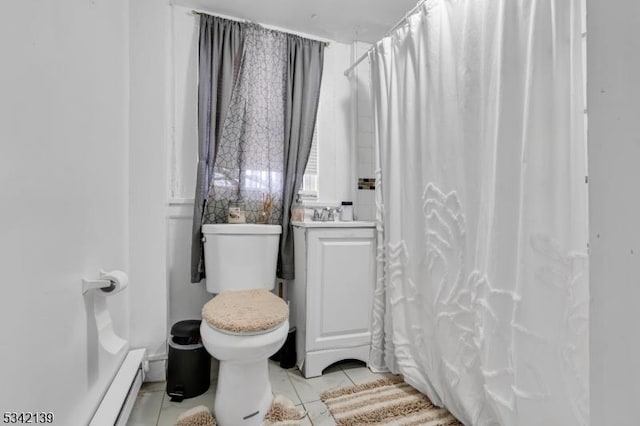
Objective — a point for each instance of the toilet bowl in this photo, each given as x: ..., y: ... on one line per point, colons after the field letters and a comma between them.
x: 243, y: 393
x: 244, y: 324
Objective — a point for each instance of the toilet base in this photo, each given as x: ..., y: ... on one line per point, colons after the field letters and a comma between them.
x: 243, y: 394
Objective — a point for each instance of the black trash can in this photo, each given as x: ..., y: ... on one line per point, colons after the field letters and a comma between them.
x: 189, y: 363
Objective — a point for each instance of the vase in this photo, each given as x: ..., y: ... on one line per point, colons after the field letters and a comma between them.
x: 263, y: 217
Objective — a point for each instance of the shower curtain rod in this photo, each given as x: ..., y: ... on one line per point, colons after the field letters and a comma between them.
x: 269, y: 27
x: 400, y: 22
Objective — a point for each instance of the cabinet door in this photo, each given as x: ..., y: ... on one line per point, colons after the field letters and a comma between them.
x: 340, y: 283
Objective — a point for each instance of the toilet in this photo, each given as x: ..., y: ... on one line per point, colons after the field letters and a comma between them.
x: 244, y: 324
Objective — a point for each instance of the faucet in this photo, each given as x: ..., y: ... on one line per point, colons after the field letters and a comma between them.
x: 330, y: 214
x: 326, y: 214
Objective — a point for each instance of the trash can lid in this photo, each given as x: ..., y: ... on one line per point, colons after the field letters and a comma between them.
x: 186, y: 328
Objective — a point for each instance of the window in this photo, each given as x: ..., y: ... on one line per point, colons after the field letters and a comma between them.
x: 309, y: 189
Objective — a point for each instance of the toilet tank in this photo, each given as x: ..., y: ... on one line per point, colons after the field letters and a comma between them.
x: 240, y: 256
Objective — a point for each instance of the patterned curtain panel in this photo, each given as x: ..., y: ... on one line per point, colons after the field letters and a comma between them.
x: 249, y: 161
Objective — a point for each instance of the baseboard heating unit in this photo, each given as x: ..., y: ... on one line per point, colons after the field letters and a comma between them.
x: 117, y: 403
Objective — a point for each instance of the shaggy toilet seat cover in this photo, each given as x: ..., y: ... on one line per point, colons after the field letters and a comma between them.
x: 245, y: 311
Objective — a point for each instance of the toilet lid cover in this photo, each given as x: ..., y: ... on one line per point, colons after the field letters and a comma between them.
x: 245, y: 311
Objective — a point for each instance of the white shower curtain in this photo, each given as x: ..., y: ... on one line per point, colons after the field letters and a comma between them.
x: 482, y: 292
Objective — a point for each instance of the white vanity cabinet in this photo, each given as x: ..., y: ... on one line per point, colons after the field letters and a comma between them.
x: 332, y: 295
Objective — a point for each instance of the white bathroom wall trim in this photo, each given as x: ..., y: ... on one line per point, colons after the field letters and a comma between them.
x: 180, y: 211
x: 118, y: 401
x: 157, y: 370
x: 180, y: 201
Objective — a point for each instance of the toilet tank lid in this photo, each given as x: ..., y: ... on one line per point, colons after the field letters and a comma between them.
x: 241, y: 228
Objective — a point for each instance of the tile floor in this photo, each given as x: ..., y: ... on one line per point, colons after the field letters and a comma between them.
x: 153, y: 406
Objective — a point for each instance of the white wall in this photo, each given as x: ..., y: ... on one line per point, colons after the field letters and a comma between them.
x: 64, y: 196
x: 613, y: 68
x: 334, y: 131
x: 365, y: 208
x: 335, y: 152
x: 185, y: 299
x: 149, y: 132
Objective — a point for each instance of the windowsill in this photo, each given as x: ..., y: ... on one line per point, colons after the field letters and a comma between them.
x: 334, y: 224
x: 321, y: 203
x: 307, y: 195
x: 180, y: 201
x: 307, y: 202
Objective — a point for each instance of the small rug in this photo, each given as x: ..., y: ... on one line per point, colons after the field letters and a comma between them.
x: 388, y: 401
x: 282, y: 413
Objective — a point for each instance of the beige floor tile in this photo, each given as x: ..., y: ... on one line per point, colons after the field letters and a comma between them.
x: 169, y: 416
x: 319, y: 414
x: 281, y: 383
x: 172, y: 409
x: 306, y: 421
x: 154, y: 406
x: 363, y: 375
x: 204, y: 399
x: 309, y: 389
x: 152, y: 387
x: 146, y: 409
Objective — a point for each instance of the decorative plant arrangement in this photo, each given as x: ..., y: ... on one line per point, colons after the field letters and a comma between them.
x: 264, y: 216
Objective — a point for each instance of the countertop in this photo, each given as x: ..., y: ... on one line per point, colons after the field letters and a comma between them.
x: 335, y: 224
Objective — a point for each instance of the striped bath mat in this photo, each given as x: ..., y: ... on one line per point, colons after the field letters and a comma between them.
x: 388, y: 401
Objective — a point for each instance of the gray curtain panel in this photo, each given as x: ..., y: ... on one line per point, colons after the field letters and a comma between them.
x: 304, y: 75
x: 257, y: 103
x: 220, y: 51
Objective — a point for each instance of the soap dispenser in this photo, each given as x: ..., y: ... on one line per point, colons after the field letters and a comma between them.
x: 346, y: 211
x: 297, y: 210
